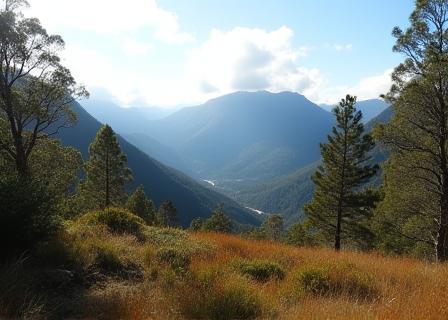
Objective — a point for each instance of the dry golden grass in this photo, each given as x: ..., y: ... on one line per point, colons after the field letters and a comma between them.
x: 176, y: 275
x: 407, y: 288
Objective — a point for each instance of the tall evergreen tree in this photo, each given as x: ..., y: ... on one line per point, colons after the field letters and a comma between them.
x: 417, y: 135
x: 167, y: 214
x: 106, y: 170
x: 140, y: 205
x: 340, y: 204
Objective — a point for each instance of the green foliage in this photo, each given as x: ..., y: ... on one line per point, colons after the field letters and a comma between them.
x: 416, y: 175
x: 117, y: 220
x: 314, y: 280
x: 273, y: 226
x: 56, y: 166
x: 28, y: 215
x: 260, y: 270
x: 167, y: 215
x: 196, y: 224
x: 341, y: 205
x: 106, y: 170
x: 140, y: 205
x: 218, y: 222
x: 35, y: 98
x: 177, y: 259
x: 303, y: 234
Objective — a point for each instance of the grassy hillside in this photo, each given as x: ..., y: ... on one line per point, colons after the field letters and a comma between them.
x: 130, y: 271
x: 160, y: 182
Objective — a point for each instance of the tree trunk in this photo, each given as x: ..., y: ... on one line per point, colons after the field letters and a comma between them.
x: 107, y: 202
x: 442, y: 235
x: 442, y: 238
x: 337, y: 237
x: 21, y: 159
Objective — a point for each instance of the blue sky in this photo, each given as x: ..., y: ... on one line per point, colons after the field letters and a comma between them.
x: 179, y: 52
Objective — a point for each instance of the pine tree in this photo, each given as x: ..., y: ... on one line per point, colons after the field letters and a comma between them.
x: 167, y: 214
x: 340, y: 204
x: 140, y: 205
x: 106, y: 170
x: 218, y: 221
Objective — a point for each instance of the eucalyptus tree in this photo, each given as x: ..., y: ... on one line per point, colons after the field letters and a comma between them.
x: 417, y: 136
x: 36, y: 90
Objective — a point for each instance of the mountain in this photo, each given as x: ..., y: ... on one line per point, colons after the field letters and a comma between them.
x: 160, y: 182
x: 246, y: 135
x: 157, y: 150
x: 131, y: 123
x: 287, y: 195
x: 124, y: 120
x: 369, y: 108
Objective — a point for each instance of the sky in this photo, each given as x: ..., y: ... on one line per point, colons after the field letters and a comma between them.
x: 170, y: 53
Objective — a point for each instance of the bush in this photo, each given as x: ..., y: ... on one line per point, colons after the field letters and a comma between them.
x: 207, y: 300
x: 340, y: 280
x: 108, y: 259
x: 117, y: 220
x: 176, y: 259
x: 314, y: 280
x: 28, y: 216
x: 261, y: 270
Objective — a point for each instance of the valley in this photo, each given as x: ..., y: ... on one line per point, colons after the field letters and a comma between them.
x: 254, y: 147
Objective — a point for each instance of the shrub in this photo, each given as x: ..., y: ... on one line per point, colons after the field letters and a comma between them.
x: 340, y: 280
x: 28, y: 216
x: 117, y: 220
x: 107, y: 258
x: 208, y: 300
x: 108, y: 261
x: 176, y: 259
x: 314, y: 280
x: 261, y: 270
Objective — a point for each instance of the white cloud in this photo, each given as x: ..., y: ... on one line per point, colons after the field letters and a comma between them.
x: 237, y: 59
x: 110, y: 16
x: 132, y: 46
x: 370, y: 87
x: 251, y: 59
x: 342, y: 47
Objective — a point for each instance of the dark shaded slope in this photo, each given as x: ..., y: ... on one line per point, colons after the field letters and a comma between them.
x: 160, y: 182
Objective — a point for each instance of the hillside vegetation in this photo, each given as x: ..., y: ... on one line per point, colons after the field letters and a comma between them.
x: 112, y: 266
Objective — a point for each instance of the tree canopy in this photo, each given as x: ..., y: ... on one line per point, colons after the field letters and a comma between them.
x: 341, y: 204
